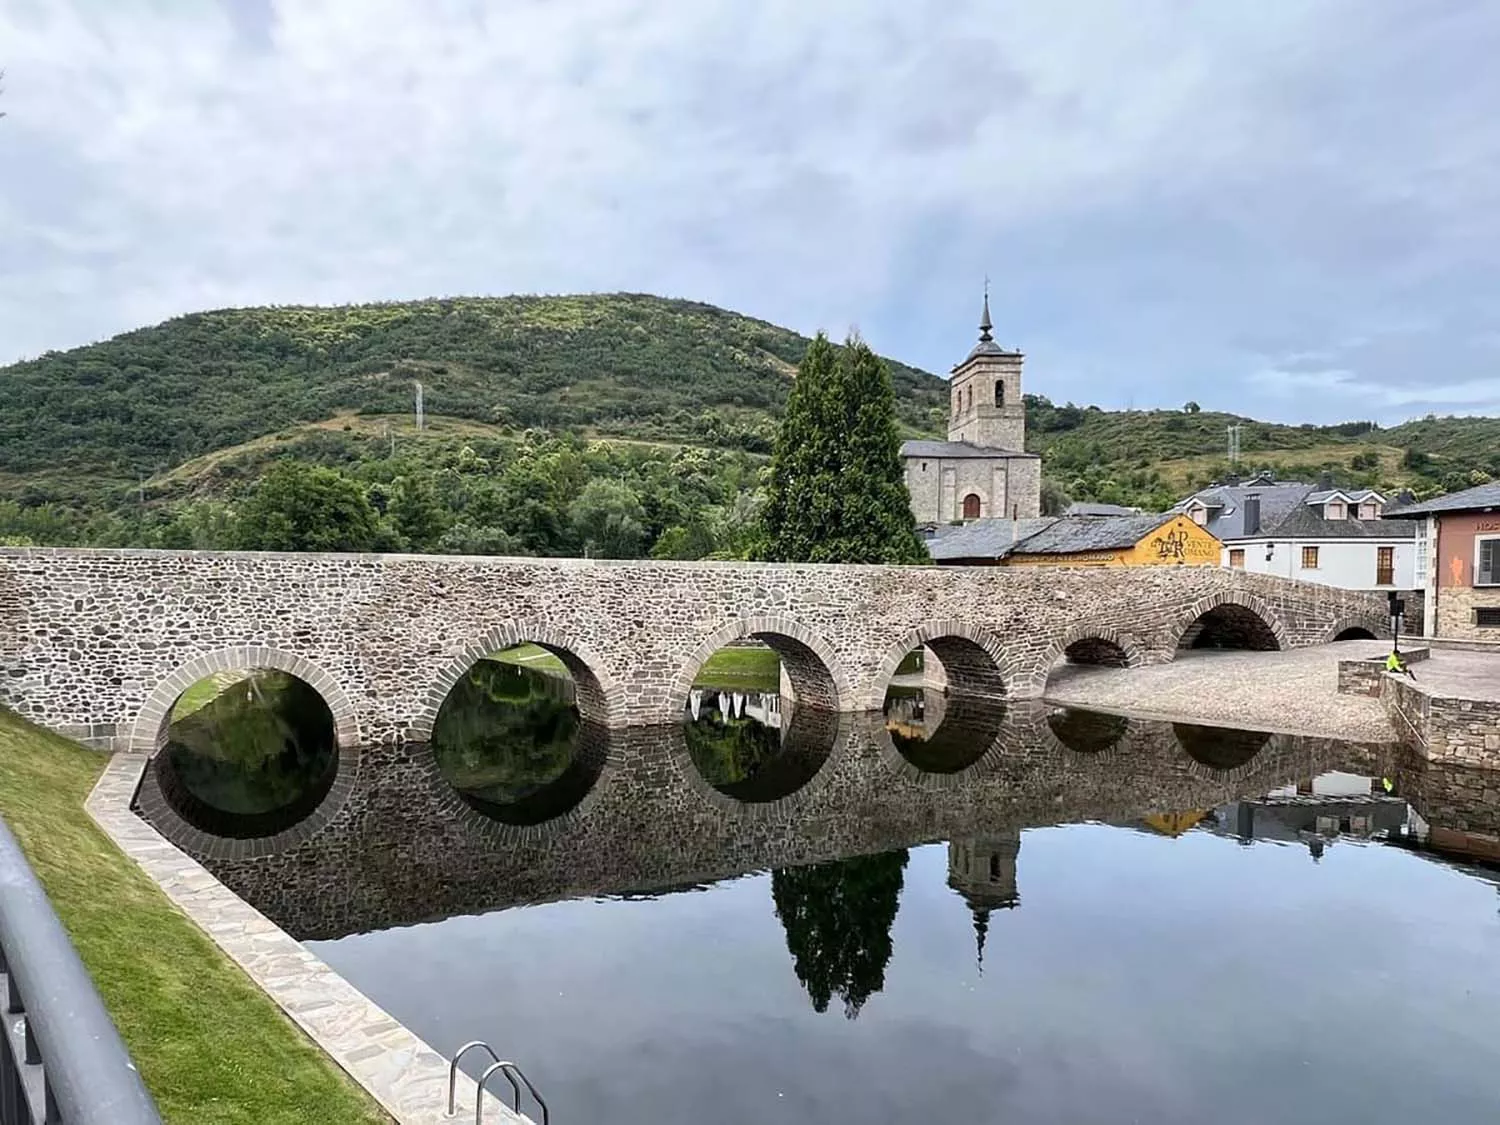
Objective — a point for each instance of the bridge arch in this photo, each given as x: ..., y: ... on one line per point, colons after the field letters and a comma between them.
x: 817, y: 675
x: 1087, y: 737
x: 965, y: 742
x: 1232, y: 613
x: 164, y: 800
x: 1089, y: 643
x: 150, y: 728
x: 973, y: 660
x: 1357, y: 628
x: 600, y: 699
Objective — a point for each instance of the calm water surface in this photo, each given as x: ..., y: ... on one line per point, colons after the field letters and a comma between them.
x: 1281, y: 956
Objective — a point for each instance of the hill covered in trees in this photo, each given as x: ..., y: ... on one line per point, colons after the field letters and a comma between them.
x: 662, y: 411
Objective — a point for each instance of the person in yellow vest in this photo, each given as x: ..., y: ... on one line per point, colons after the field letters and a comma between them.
x: 1394, y: 663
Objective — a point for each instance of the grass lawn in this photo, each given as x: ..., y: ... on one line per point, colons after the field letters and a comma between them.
x: 742, y: 669
x: 531, y: 656
x: 210, y: 1045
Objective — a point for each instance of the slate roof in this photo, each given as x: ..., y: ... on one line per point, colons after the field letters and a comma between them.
x: 1087, y: 508
x: 1307, y: 523
x: 953, y: 450
x: 1070, y: 536
x: 1290, y: 511
x: 1469, y: 500
x: 1049, y: 535
x: 983, y: 539
x: 1227, y: 521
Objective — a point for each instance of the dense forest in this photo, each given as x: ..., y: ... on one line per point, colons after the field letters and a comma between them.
x: 619, y: 425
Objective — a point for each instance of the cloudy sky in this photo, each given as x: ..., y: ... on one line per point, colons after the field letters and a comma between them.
x: 1289, y: 209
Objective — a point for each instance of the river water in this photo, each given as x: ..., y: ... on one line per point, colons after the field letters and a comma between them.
x: 1066, y: 949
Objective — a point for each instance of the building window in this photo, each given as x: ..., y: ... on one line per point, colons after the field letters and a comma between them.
x: 999, y: 394
x: 1334, y: 510
x: 968, y: 398
x: 971, y: 507
x: 1385, y: 566
x: 1200, y: 516
x: 1237, y: 557
x: 1487, y: 617
x: 1368, y: 511
x: 1309, y: 558
x: 1487, y: 562
x: 924, y: 466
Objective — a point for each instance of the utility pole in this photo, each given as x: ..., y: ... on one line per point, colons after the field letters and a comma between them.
x: 419, y: 407
x: 1234, y: 444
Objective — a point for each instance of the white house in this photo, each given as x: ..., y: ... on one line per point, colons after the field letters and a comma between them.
x: 1315, y: 533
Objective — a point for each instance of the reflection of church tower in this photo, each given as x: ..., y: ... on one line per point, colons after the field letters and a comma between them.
x: 983, y: 871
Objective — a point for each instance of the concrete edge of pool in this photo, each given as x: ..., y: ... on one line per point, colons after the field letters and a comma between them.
x: 406, y: 1076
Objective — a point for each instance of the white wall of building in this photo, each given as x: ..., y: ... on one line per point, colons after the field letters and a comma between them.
x: 1347, y: 563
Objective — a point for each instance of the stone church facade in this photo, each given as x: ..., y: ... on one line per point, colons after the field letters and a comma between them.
x: 983, y: 470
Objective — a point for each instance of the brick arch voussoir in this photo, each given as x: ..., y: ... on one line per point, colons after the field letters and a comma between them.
x: 150, y: 724
x: 1245, y: 600
x: 1135, y: 652
x: 611, y: 697
x: 758, y: 624
x: 937, y: 630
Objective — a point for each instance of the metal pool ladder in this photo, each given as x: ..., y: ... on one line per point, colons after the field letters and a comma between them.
x: 497, y: 1065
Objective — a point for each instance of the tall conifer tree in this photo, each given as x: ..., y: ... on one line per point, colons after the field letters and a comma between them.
x: 837, y: 492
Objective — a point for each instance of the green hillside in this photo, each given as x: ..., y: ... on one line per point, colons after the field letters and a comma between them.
x: 622, y: 364
x: 555, y: 425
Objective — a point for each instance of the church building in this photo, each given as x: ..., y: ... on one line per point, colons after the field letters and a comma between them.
x: 983, y: 470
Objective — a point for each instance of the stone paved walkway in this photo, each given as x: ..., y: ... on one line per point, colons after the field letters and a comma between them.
x: 400, y: 1071
x: 1293, y: 692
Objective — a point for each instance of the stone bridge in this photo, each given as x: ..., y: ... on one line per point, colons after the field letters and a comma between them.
x: 98, y: 644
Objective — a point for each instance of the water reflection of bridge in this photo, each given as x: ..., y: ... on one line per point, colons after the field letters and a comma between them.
x: 404, y: 848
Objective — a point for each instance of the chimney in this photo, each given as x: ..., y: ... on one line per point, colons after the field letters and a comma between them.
x: 1405, y: 497
x: 1232, y: 480
x: 1325, y: 482
x: 1252, y: 514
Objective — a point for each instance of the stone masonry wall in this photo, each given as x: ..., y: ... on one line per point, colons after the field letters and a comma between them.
x: 97, y: 644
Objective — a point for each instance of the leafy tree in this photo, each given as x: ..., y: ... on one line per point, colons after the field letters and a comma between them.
x: 838, y: 920
x: 1191, y: 407
x: 609, y: 520
x: 1054, y: 499
x: 414, y: 512
x: 298, y: 507
x: 837, y: 491
x: 694, y: 541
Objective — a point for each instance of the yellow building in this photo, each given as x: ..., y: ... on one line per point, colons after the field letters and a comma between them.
x: 1169, y: 539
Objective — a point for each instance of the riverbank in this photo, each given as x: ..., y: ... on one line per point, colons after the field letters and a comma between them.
x: 212, y: 1048
x: 1291, y: 692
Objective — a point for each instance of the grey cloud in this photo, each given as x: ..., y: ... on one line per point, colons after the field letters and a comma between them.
x: 1173, y: 200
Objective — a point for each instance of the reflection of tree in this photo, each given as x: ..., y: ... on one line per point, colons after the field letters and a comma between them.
x: 260, y: 745
x: 505, y: 732
x: 838, y: 920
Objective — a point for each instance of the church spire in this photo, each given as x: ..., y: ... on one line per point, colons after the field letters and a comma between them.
x: 984, y: 321
x: 981, y: 928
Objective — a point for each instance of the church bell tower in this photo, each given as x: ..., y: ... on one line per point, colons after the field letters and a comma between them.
x: 987, y: 409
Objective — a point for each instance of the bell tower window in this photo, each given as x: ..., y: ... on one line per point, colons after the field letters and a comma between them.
x: 999, y: 393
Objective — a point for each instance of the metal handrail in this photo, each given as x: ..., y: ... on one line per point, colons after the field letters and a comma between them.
x: 511, y: 1072
x: 87, y: 1077
x: 471, y: 1045
x: 505, y: 1067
